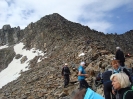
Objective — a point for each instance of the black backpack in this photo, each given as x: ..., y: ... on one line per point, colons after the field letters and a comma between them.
x: 131, y: 90
x: 131, y: 74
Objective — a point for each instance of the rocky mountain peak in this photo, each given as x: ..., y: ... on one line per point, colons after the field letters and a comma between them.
x: 54, y: 16
x: 6, y: 27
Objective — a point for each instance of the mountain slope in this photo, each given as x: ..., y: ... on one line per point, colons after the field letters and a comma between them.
x: 60, y: 41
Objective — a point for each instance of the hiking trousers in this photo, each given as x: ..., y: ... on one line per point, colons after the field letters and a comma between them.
x: 83, y: 84
x: 108, y: 90
x: 66, y: 80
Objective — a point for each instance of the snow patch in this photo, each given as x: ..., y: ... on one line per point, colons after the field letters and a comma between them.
x: 12, y: 72
x: 4, y: 46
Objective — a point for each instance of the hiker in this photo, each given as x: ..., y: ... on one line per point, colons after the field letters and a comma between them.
x: 87, y: 94
x: 120, y: 56
x: 99, y: 79
x: 65, y: 73
x: 107, y: 84
x: 117, y: 68
x: 121, y: 83
x: 81, y: 76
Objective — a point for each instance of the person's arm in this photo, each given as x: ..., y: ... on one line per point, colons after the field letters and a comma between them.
x: 80, y: 74
x: 69, y: 71
x: 62, y: 72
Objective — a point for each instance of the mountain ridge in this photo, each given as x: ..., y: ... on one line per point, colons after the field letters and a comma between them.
x: 61, y: 41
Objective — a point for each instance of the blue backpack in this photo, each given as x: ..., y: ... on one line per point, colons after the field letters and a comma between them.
x: 90, y: 94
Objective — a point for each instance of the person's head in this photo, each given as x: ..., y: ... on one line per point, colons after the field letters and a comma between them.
x: 82, y: 63
x: 118, y: 48
x: 115, y: 64
x: 66, y: 64
x: 120, y: 80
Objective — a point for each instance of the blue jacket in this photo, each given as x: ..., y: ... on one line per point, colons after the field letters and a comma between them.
x: 81, y: 69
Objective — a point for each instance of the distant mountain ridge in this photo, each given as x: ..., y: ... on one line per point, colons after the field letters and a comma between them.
x: 55, y: 27
x: 61, y: 41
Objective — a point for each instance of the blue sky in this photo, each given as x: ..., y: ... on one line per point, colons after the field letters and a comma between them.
x: 107, y: 16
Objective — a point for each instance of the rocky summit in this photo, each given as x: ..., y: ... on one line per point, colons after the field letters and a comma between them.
x: 61, y: 41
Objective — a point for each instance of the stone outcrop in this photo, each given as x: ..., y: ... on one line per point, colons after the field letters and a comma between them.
x: 62, y: 41
x: 10, y: 35
x: 6, y: 56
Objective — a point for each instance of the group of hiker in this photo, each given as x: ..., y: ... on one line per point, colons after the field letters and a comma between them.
x: 117, y: 80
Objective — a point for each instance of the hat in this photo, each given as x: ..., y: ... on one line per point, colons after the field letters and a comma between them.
x: 82, y: 63
x: 66, y: 64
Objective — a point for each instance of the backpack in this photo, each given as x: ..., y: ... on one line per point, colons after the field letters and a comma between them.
x: 98, y: 77
x: 131, y: 74
x: 131, y: 90
x: 90, y: 94
x: 66, y: 70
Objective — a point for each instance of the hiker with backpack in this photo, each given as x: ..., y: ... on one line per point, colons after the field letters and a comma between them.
x: 81, y: 76
x: 118, y: 68
x: 120, y: 56
x: 65, y: 73
x: 121, y: 83
x: 99, y: 79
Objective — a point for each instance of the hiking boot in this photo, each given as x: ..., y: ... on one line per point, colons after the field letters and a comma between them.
x: 65, y: 86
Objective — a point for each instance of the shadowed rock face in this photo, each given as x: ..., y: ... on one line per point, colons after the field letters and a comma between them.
x: 62, y: 41
x: 6, y: 56
x: 10, y: 35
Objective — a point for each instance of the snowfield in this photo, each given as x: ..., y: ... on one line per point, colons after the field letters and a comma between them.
x: 13, y: 70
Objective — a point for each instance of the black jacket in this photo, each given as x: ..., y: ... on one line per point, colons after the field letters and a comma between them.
x: 65, y: 71
x: 106, y: 76
x: 128, y: 95
x: 120, y: 55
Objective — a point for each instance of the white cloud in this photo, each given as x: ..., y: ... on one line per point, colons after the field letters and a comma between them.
x: 23, y: 12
